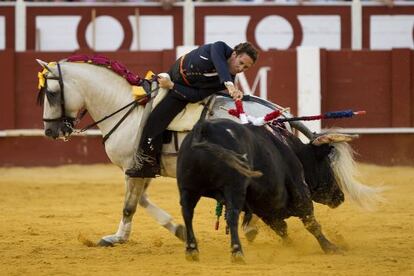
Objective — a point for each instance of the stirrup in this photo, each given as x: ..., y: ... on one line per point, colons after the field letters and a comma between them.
x: 145, y: 172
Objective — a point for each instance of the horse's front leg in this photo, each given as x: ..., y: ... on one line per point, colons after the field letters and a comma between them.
x: 134, y: 189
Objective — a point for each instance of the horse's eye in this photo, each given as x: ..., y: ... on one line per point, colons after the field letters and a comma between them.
x: 52, y: 97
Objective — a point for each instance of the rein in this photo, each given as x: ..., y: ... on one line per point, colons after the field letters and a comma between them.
x: 69, y: 122
x: 66, y: 120
x: 133, y: 105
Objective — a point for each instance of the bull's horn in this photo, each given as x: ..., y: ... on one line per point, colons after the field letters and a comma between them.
x: 333, y: 138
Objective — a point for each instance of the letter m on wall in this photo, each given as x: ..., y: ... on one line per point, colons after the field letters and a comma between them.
x: 260, y: 82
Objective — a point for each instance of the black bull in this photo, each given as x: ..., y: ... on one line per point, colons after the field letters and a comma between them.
x: 268, y: 172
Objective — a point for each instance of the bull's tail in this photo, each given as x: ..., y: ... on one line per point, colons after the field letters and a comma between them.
x: 230, y: 157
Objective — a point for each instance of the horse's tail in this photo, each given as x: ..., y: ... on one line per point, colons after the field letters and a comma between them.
x: 344, y: 168
x: 230, y: 157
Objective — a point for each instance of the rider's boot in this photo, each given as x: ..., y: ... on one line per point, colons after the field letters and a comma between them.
x: 150, y: 165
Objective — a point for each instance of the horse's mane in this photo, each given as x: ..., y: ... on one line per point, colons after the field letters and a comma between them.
x: 102, y: 61
x: 115, y: 66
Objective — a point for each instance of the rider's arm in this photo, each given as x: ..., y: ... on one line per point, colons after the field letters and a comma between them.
x: 219, y: 53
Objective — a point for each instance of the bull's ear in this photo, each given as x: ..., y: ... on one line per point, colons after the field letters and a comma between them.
x: 322, y: 151
x: 333, y: 138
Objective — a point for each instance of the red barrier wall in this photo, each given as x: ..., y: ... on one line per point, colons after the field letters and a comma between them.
x: 8, y: 13
x: 385, y: 149
x: 377, y: 81
x: 380, y: 82
x: 7, y: 90
x: 19, y: 110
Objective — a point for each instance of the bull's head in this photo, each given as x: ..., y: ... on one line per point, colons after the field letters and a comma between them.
x: 319, y: 168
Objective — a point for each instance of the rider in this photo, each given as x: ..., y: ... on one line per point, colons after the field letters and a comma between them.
x: 194, y: 76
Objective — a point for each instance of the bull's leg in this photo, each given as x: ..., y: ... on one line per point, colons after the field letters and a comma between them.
x: 233, y: 223
x: 280, y: 228
x: 235, y: 197
x: 188, y: 202
x: 134, y: 190
x: 315, y: 229
x: 250, y: 229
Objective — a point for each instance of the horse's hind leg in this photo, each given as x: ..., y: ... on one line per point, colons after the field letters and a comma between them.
x: 315, y: 229
x: 134, y: 189
x: 162, y: 217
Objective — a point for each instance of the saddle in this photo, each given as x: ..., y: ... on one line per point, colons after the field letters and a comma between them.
x: 188, y: 117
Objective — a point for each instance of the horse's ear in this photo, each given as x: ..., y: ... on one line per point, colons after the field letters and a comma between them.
x: 42, y: 63
x: 45, y: 65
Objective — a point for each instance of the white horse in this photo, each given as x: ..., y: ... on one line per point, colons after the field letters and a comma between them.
x: 72, y: 86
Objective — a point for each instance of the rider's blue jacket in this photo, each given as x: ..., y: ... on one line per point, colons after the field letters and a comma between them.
x: 201, y: 72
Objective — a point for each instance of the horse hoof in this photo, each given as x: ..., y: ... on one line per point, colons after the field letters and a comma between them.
x: 251, y: 235
x: 192, y: 255
x: 237, y: 258
x: 180, y: 233
x: 104, y: 243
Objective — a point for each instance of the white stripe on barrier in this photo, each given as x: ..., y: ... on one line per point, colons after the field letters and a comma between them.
x: 309, y: 85
x: 41, y: 132
x: 377, y: 130
x: 96, y: 132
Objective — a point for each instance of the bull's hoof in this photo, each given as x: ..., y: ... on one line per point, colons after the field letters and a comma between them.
x: 287, y: 241
x: 192, y: 255
x: 104, y: 243
x: 237, y: 258
x: 251, y: 234
x: 332, y: 249
x: 180, y: 233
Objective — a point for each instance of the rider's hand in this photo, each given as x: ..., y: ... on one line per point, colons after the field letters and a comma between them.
x: 165, y: 83
x: 235, y: 93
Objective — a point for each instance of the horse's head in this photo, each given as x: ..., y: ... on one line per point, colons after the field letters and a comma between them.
x: 60, y: 101
x: 318, y: 159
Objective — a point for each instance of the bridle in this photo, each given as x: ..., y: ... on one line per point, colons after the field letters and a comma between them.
x: 67, y: 121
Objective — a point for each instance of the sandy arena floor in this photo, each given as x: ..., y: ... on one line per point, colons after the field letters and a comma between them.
x: 43, y: 210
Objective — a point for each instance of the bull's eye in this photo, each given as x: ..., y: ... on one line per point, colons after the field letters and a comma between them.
x: 332, y: 154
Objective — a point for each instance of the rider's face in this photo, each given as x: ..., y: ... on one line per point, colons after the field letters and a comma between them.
x: 239, y: 63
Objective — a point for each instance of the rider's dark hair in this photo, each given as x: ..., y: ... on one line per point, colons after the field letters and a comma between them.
x: 248, y: 49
